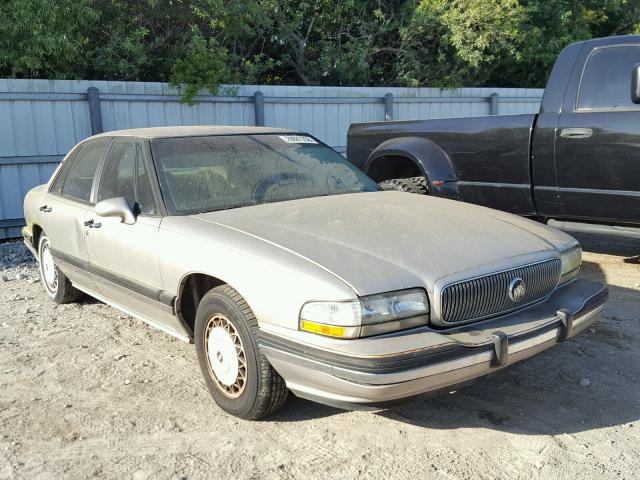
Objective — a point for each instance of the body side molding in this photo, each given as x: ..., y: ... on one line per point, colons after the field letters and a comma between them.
x: 160, y: 296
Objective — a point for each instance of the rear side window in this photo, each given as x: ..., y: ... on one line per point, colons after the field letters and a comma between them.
x: 606, y: 80
x: 62, y: 176
x: 80, y: 178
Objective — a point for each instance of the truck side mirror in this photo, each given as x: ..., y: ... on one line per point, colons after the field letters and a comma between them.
x: 635, y: 84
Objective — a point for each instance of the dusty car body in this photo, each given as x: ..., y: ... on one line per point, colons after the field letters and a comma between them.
x: 314, y: 281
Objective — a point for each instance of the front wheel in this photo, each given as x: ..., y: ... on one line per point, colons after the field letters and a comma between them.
x: 411, y: 185
x: 55, y: 283
x: 238, y: 376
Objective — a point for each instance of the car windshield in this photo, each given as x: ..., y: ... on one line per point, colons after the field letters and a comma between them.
x: 202, y: 174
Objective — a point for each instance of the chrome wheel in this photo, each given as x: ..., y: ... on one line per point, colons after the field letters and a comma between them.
x: 48, y: 269
x: 226, y: 356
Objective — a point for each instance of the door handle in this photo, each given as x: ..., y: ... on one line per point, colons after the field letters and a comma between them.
x: 576, y: 132
x: 45, y: 209
x: 92, y: 224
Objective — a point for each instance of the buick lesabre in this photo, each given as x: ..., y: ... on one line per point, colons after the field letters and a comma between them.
x: 291, y: 271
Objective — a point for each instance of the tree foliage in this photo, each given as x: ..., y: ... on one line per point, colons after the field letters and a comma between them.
x: 203, y: 43
x: 44, y: 38
x: 459, y: 42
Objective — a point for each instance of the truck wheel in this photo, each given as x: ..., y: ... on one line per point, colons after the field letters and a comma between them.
x: 55, y: 283
x: 410, y: 185
x: 238, y: 376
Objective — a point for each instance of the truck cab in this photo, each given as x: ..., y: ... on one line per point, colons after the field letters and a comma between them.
x: 578, y: 159
x: 593, y: 170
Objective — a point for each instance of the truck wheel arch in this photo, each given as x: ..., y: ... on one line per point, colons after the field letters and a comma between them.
x: 413, y: 156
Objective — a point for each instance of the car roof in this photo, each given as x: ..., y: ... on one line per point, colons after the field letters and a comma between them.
x: 192, y: 131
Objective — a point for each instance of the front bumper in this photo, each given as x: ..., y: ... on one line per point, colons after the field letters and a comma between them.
x: 419, y: 361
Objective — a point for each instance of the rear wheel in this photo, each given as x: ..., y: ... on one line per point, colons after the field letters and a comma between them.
x: 238, y: 376
x: 56, y: 284
x: 411, y: 185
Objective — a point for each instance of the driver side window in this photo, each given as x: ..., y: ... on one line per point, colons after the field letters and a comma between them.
x: 606, y: 80
x: 125, y: 175
x: 118, y: 175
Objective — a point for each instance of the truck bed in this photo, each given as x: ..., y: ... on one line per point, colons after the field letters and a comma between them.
x: 490, y: 155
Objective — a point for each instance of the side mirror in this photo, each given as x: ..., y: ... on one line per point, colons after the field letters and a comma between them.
x: 116, y: 207
x: 635, y: 84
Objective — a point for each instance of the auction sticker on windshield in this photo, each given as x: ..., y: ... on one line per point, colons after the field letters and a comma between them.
x: 297, y: 139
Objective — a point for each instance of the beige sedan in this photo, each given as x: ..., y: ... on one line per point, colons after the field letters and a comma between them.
x: 291, y: 271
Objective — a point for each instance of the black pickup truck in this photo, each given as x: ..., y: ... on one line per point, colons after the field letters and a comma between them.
x: 577, y: 160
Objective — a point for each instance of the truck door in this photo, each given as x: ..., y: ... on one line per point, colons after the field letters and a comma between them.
x: 598, y: 139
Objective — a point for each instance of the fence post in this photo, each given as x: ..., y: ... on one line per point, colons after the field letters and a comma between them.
x: 493, y: 104
x: 258, y: 103
x: 95, y: 114
x: 388, y: 106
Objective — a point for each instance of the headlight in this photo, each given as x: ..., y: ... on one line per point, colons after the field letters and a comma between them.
x: 366, y: 316
x: 571, y: 261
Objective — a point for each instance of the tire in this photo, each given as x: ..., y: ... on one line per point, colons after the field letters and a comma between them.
x: 55, y: 283
x: 225, y: 324
x: 411, y: 185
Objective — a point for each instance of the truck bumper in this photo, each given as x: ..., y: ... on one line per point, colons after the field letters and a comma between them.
x: 446, y: 358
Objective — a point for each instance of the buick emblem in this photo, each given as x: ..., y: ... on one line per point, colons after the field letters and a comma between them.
x: 517, y: 289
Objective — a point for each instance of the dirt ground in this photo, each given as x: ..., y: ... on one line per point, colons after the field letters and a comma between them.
x: 88, y: 392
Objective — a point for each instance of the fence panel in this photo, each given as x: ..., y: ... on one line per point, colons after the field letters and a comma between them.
x: 41, y: 120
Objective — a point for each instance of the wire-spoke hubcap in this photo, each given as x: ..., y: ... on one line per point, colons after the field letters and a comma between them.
x: 48, y: 268
x: 227, y: 359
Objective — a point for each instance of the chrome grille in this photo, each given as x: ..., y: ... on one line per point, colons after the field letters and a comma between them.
x: 488, y: 296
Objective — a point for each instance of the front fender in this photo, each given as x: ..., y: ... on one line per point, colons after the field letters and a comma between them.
x: 274, y: 281
x: 432, y: 161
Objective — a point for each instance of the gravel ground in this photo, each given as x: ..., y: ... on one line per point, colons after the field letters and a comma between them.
x: 88, y: 392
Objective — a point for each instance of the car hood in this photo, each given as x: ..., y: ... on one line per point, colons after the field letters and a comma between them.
x: 383, y: 241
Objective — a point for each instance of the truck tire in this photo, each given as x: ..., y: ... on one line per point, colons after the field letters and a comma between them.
x: 411, y: 185
x: 55, y: 283
x: 239, y: 377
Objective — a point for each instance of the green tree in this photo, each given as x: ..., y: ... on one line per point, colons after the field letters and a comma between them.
x: 44, y: 38
x: 140, y: 40
x: 552, y: 25
x: 200, y: 44
x: 459, y: 42
x: 320, y: 42
x: 204, y: 66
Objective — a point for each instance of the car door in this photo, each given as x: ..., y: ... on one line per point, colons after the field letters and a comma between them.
x: 123, y: 257
x: 598, y: 139
x: 64, y: 207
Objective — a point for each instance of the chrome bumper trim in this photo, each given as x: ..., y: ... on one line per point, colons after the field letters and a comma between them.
x: 334, y: 384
